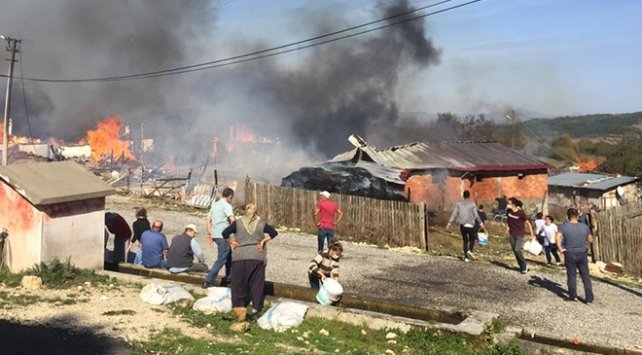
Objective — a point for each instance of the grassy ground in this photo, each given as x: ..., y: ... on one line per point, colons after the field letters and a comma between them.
x: 444, y: 242
x: 57, y: 275
x: 316, y: 335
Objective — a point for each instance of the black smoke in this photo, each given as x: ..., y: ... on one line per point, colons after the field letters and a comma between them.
x: 311, y: 105
x: 349, y: 87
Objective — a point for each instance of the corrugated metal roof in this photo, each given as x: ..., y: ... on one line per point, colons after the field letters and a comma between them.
x: 389, y: 174
x: 600, y: 182
x: 464, y: 156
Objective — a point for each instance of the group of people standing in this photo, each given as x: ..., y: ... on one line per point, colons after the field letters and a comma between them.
x: 241, y: 248
x: 570, y: 239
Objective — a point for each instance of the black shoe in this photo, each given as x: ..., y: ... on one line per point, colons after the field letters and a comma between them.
x: 225, y: 282
x: 207, y: 285
x: 570, y: 299
x: 253, y: 316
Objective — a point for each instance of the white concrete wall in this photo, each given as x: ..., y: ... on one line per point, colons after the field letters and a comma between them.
x: 23, y: 247
x: 79, y: 237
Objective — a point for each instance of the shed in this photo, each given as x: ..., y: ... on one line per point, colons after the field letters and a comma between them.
x: 601, y: 190
x: 437, y: 173
x: 52, y: 211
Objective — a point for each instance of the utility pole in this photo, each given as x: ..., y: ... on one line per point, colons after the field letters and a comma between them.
x: 12, y: 46
x: 512, y: 117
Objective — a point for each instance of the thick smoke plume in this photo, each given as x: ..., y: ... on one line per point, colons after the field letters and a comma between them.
x: 350, y: 86
x: 310, y: 105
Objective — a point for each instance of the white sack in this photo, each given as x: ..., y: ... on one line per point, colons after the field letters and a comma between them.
x: 219, y: 299
x: 157, y: 294
x: 283, y: 316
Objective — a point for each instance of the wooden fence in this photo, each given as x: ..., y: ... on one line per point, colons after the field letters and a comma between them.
x: 380, y: 222
x: 620, y: 237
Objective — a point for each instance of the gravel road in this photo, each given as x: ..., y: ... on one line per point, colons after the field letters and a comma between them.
x: 533, y: 301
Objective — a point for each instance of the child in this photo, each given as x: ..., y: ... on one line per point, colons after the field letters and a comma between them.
x: 325, y: 264
x: 550, y: 230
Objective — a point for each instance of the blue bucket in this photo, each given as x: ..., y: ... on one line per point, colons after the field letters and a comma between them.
x: 482, y: 238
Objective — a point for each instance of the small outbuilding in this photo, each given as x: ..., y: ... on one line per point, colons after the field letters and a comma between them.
x: 437, y: 173
x: 600, y: 190
x: 52, y: 211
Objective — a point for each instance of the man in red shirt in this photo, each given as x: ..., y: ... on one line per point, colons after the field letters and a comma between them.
x: 326, y: 210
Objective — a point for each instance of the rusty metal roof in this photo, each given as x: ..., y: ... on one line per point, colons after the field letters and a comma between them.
x: 56, y: 182
x: 602, y: 182
x: 462, y: 156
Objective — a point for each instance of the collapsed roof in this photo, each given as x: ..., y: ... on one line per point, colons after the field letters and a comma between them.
x: 457, y: 156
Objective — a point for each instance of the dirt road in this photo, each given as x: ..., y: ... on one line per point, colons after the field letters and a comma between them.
x: 533, y: 301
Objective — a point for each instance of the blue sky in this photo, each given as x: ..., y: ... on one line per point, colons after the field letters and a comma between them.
x: 553, y: 57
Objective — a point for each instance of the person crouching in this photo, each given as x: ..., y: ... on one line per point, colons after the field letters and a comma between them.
x: 248, y: 262
x: 324, y: 265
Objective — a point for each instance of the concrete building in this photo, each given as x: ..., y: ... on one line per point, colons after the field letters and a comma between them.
x: 52, y: 211
x: 601, y: 190
x: 438, y: 173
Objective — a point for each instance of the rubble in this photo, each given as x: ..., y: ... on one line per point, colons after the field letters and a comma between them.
x: 616, y: 268
x: 344, y: 179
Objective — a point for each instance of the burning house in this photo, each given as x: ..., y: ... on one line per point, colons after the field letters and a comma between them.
x: 599, y: 190
x: 438, y: 173
x: 52, y: 211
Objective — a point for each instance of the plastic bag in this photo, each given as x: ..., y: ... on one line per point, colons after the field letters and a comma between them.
x: 219, y: 299
x: 157, y: 294
x: 283, y: 316
x: 533, y: 247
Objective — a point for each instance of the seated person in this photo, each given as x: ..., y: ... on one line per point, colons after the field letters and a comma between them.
x: 180, y: 257
x: 154, y: 245
x: 325, y: 264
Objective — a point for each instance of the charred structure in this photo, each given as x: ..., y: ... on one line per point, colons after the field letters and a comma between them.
x: 435, y: 173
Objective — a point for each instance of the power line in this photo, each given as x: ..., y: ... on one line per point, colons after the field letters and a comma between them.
x: 543, y: 142
x: 265, y: 53
x: 24, y: 95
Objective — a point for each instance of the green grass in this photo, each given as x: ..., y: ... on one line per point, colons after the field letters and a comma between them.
x: 8, y: 300
x: 120, y: 312
x: 57, y: 275
x: 343, y: 338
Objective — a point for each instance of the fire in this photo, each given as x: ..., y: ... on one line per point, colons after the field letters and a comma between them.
x: 105, y: 140
x: 241, y: 133
x: 170, y: 164
x: 585, y: 166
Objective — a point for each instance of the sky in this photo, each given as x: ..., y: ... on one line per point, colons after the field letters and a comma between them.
x: 553, y: 57
x: 541, y: 58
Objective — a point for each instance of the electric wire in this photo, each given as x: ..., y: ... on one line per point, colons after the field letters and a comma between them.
x: 265, y: 53
x: 24, y: 95
x: 543, y: 142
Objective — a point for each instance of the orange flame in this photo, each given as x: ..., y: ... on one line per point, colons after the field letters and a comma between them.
x: 170, y: 165
x: 105, y: 140
x: 241, y: 133
x: 586, y: 166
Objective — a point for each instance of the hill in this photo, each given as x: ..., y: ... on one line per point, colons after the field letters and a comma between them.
x: 587, y: 125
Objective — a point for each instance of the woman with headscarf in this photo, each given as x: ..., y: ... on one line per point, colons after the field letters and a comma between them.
x: 140, y: 225
x: 250, y: 235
